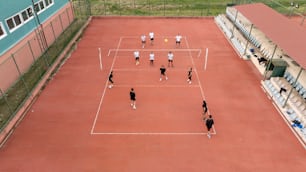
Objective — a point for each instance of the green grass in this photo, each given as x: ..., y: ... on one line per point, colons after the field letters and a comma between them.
x: 179, y: 7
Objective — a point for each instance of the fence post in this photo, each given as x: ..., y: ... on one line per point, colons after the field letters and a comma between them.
x: 67, y: 16
x: 55, y: 38
x: 104, y: 7
x: 20, y: 74
x: 119, y: 7
x: 6, y: 101
x: 30, y: 47
x: 61, y: 22
x: 164, y: 8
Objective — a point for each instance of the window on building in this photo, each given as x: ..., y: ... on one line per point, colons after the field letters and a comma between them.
x: 36, y: 8
x: 17, y: 19
x: 26, y: 14
x: 41, y: 5
x: 2, y: 31
x: 14, y: 21
x: 30, y: 12
x: 47, y: 2
x: 10, y: 23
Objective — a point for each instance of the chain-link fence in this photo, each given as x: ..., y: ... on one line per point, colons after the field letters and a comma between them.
x: 173, y: 8
x: 25, y: 67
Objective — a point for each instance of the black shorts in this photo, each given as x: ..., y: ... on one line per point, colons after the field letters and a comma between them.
x: 178, y: 42
x: 151, y: 39
x: 170, y: 60
x: 133, y: 98
x: 143, y: 42
x: 136, y: 58
x: 208, y: 128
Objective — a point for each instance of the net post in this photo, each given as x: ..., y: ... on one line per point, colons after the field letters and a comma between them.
x: 109, y: 51
x: 199, y: 54
x: 206, y: 59
x: 100, y: 58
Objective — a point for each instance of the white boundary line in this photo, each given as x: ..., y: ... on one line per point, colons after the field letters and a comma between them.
x: 158, y: 86
x: 201, y: 88
x: 152, y: 133
x: 147, y: 69
x: 102, y: 97
x: 100, y: 58
x: 195, y: 69
x: 138, y: 37
x: 157, y: 50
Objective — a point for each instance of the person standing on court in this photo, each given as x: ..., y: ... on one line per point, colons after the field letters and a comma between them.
x: 151, y: 58
x: 136, y: 55
x: 163, y: 73
x: 151, y: 35
x: 178, y: 38
x: 170, y: 59
x: 143, y: 40
x: 204, y: 106
x: 189, y: 76
x: 133, y: 98
x: 209, y: 123
x: 110, y: 79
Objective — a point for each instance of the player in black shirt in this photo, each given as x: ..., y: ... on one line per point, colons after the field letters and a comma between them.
x: 189, y: 75
x: 209, y: 123
x: 110, y: 79
x: 133, y: 98
x: 163, y: 73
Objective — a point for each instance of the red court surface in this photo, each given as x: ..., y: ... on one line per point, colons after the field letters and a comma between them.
x: 78, y: 124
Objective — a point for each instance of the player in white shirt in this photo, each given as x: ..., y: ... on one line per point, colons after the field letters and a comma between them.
x: 178, y: 38
x: 170, y: 59
x: 151, y: 35
x: 143, y: 40
x: 151, y: 58
x: 136, y: 55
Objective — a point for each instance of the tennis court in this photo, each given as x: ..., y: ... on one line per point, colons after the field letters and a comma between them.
x: 79, y: 124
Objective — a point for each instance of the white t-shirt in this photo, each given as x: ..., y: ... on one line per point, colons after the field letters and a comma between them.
x: 151, y: 35
x: 178, y: 38
x: 136, y: 54
x: 151, y: 56
x: 170, y: 56
x: 143, y: 38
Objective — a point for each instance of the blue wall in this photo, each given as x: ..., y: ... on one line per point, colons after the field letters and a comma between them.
x: 8, y: 8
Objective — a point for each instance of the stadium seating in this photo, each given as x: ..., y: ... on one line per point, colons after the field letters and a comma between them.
x: 243, y: 30
x: 295, y: 108
x: 221, y: 21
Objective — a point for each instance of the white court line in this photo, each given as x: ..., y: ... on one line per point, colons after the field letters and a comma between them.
x: 105, y: 86
x: 195, y: 69
x: 158, y: 86
x: 138, y: 37
x: 151, y: 133
x: 156, y: 50
x: 148, y: 69
x: 201, y: 88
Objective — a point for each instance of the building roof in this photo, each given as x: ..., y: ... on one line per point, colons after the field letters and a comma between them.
x: 287, y: 35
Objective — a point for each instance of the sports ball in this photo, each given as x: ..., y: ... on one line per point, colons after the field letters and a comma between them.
x: 166, y: 40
